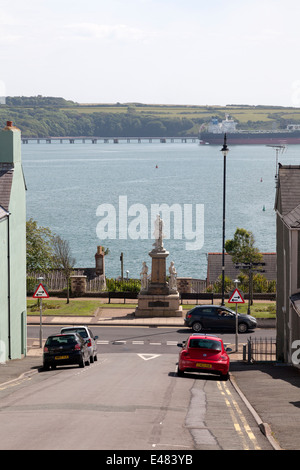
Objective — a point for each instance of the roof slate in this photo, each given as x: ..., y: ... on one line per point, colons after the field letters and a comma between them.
x: 6, y: 177
x: 214, y: 267
x: 288, y: 193
x: 292, y: 219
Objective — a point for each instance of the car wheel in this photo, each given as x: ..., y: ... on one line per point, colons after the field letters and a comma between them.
x: 91, y: 359
x: 95, y: 357
x: 243, y: 328
x: 180, y: 372
x: 224, y: 377
x: 87, y: 363
x: 81, y: 362
x: 46, y: 367
x: 197, y: 326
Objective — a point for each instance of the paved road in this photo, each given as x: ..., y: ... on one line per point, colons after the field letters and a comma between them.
x: 126, y: 401
x: 128, y: 339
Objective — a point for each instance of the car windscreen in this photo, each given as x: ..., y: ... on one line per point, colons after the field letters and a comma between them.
x: 81, y: 331
x: 61, y: 340
x: 206, y: 344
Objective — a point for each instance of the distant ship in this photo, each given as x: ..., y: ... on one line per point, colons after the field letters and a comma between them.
x: 214, y: 134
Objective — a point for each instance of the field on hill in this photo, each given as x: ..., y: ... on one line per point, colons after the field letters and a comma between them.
x: 54, y: 117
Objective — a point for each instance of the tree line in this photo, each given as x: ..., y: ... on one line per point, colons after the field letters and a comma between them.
x: 51, y: 121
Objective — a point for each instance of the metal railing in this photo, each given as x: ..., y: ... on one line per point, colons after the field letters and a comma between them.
x: 260, y: 350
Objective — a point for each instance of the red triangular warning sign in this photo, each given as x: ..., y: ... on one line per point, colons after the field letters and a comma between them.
x: 236, y: 298
x: 41, y: 293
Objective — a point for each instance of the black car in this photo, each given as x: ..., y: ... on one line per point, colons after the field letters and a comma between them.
x: 64, y: 350
x: 205, y: 317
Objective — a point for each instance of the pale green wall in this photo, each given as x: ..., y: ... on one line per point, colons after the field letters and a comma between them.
x: 10, y: 152
x: 3, y: 291
x: 17, y: 227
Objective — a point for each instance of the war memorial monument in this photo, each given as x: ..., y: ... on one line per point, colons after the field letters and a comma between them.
x: 158, y: 298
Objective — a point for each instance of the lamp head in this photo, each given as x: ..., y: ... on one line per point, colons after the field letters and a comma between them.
x: 225, y: 149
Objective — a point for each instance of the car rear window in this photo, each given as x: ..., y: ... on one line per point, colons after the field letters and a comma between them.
x: 81, y: 331
x: 61, y: 340
x: 206, y: 344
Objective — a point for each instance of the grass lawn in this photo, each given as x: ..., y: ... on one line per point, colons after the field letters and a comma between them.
x: 258, y: 310
x: 60, y: 307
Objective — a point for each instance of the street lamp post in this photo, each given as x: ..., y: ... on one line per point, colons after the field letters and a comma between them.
x: 225, y: 151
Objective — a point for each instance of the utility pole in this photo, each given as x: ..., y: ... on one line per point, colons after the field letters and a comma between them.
x: 224, y: 151
x: 122, y: 267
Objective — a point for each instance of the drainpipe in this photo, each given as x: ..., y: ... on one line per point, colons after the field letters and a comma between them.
x: 289, y: 345
x: 8, y: 285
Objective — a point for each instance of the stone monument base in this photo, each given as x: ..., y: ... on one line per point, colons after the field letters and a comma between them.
x: 158, y: 305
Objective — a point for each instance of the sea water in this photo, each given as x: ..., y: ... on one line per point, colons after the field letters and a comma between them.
x: 67, y: 183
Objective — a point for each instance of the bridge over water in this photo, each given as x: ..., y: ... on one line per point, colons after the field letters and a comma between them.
x: 107, y: 140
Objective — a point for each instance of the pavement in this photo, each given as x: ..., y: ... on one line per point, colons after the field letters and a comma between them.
x: 271, y: 391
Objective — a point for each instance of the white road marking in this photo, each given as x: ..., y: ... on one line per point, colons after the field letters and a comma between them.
x: 147, y: 357
x: 168, y: 343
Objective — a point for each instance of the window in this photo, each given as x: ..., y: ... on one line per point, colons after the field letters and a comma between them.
x: 206, y: 344
x: 206, y: 311
x: 81, y: 331
x: 60, y: 340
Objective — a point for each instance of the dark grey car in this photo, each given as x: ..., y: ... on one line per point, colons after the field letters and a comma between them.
x: 215, y: 317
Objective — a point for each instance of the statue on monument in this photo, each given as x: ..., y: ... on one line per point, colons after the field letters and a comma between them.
x: 144, y: 277
x: 173, y: 277
x: 158, y: 233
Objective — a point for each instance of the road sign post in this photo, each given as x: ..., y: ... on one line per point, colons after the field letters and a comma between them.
x: 41, y: 293
x: 236, y: 298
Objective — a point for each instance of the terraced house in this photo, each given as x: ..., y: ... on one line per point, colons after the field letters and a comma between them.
x: 12, y: 246
x: 287, y: 208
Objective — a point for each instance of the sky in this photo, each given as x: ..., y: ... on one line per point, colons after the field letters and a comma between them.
x: 194, y: 52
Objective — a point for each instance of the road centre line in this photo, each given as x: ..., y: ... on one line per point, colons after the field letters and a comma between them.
x: 168, y: 343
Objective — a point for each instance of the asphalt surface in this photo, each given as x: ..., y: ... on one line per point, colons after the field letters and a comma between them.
x: 269, y: 390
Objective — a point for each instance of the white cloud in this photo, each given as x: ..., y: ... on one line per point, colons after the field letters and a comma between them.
x: 8, y: 39
x: 153, y: 50
x: 113, y: 32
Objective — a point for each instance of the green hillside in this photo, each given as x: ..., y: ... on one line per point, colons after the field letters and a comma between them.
x: 56, y: 117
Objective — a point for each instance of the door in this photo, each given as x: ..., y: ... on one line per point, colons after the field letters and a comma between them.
x: 225, y: 319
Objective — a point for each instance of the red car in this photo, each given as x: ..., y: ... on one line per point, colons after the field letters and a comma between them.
x: 204, y: 353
